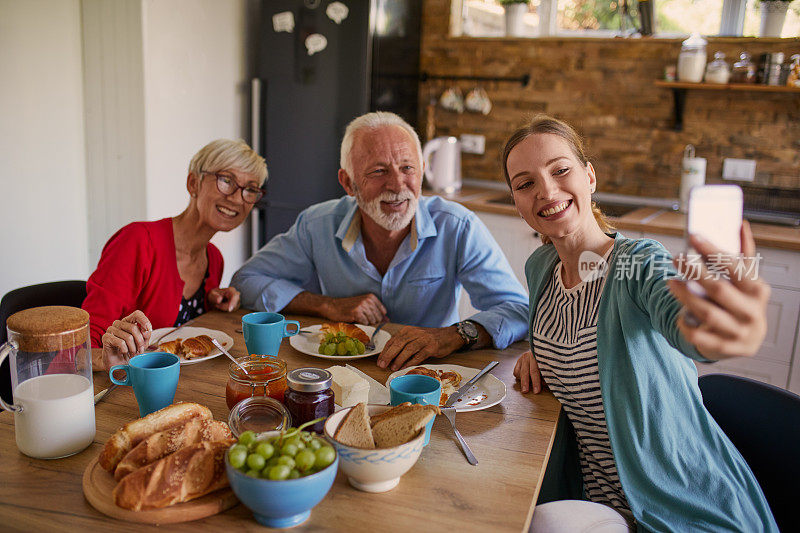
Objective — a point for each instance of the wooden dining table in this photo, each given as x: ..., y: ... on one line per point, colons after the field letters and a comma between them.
x: 442, y: 492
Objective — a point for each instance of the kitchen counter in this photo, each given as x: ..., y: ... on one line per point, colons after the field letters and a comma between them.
x: 645, y: 219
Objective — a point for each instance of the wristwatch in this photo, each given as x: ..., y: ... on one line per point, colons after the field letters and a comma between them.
x: 468, y: 331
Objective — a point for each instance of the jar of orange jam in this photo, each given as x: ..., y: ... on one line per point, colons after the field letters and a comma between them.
x: 266, y: 376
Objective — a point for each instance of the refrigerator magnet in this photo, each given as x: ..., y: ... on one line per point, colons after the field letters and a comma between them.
x: 283, y: 22
x: 337, y: 12
x: 316, y: 42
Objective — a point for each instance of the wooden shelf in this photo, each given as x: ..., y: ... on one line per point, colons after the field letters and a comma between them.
x: 679, y: 89
x: 755, y: 87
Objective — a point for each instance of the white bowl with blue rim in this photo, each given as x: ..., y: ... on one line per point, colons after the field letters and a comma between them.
x: 374, y: 470
x: 283, y: 503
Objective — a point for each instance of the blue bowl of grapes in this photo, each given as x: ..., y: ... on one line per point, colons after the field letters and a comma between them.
x: 281, y: 475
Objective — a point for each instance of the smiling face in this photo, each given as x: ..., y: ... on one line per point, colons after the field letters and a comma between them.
x: 216, y: 210
x: 386, y: 176
x: 551, y: 187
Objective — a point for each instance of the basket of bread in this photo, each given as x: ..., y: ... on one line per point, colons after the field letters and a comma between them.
x: 377, y: 444
x: 166, y: 467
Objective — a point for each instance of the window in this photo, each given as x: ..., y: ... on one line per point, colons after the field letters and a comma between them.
x: 610, y: 18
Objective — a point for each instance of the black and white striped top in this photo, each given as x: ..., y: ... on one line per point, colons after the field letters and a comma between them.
x: 564, y: 336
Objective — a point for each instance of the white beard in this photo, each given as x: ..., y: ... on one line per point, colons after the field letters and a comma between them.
x: 394, y: 221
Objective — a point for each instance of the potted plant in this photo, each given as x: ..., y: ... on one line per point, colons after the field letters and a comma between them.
x: 773, y: 14
x: 515, y: 13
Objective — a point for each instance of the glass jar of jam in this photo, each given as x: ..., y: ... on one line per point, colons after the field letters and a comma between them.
x: 309, y: 396
x: 266, y: 376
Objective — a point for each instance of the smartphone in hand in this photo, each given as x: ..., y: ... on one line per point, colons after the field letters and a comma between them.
x: 715, y: 214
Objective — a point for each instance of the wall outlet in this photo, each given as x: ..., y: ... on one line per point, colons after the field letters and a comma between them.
x: 738, y: 169
x: 473, y: 144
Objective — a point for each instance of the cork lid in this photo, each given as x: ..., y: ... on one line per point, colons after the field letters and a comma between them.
x: 52, y: 327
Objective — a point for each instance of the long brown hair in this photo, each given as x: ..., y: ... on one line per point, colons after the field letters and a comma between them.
x: 547, y: 124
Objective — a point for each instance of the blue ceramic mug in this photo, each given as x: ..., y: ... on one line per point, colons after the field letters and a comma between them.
x: 416, y: 388
x: 154, y: 378
x: 263, y: 332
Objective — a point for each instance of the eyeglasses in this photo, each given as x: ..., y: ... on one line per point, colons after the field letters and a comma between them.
x: 226, y: 184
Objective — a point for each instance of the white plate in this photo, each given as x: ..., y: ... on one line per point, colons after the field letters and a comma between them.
x: 187, y: 332
x: 309, y: 344
x: 488, y: 391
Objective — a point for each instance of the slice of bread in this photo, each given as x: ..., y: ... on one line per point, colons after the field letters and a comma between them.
x: 354, y: 429
x: 402, y: 425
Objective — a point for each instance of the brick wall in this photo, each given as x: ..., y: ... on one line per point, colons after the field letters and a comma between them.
x: 604, y: 88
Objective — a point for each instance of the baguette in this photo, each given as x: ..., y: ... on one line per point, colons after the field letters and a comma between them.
x: 135, y: 432
x: 166, y: 442
x: 189, y: 473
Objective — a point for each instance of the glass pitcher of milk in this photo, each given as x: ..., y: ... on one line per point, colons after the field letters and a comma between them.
x: 51, y: 378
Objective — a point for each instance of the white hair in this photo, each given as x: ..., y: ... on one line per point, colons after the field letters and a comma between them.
x: 372, y: 121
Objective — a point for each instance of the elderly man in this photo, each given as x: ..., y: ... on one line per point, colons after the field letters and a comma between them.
x: 383, y: 252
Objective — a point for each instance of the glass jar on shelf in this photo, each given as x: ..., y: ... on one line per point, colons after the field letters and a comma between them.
x: 265, y: 376
x: 718, y: 71
x: 692, y: 59
x: 744, y: 70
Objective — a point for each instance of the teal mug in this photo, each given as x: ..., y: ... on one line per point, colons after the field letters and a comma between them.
x: 263, y: 332
x: 416, y: 388
x: 154, y: 378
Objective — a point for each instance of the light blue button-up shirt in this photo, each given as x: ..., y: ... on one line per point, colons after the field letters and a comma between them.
x: 448, y: 247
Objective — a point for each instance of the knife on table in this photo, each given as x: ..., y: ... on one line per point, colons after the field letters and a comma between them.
x: 464, y: 388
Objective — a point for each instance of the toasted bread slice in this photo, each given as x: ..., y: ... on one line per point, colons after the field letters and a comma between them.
x: 394, y: 411
x: 354, y: 429
x: 403, y: 425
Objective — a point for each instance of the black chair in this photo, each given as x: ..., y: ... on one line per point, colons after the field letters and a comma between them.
x: 763, y: 422
x: 71, y: 293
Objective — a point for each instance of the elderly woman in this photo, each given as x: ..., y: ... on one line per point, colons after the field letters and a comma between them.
x: 615, y: 348
x: 164, y: 273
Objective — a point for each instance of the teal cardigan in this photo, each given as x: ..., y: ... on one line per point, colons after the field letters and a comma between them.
x: 678, y: 469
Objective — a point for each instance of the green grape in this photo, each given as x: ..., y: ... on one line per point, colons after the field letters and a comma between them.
x: 286, y: 460
x: 237, y: 456
x: 265, y: 450
x: 341, y: 349
x: 255, y: 461
x: 305, y: 460
x: 328, y: 337
x: 289, y: 449
x: 253, y: 473
x: 247, y: 438
x: 273, y: 461
x: 315, y: 444
x: 350, y: 345
x: 330, y: 349
x: 279, y: 472
x: 321, y: 349
x: 324, y: 457
x: 360, y: 348
x: 294, y: 474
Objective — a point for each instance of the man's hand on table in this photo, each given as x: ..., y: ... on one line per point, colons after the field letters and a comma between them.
x: 527, y: 373
x: 412, y: 345
x: 364, y: 309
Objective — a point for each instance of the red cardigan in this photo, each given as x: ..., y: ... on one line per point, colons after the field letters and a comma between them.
x: 138, y: 269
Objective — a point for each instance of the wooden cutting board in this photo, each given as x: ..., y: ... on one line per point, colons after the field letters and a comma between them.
x: 98, y: 485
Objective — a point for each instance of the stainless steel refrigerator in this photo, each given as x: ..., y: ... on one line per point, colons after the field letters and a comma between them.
x: 303, y: 97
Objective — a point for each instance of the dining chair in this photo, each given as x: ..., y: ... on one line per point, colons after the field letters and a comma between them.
x: 71, y: 292
x: 763, y: 422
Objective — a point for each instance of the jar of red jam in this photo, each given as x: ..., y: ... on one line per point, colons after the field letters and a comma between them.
x: 265, y: 376
x: 309, y: 396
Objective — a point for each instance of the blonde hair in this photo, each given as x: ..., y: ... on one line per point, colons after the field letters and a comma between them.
x: 546, y: 124
x: 226, y: 154
x: 372, y: 121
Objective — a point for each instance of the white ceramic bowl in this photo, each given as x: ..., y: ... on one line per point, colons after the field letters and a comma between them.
x: 376, y: 470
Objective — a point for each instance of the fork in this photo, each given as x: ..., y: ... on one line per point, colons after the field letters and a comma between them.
x: 371, y: 344
x: 450, y: 414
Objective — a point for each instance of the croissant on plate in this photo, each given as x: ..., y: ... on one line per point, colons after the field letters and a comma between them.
x: 350, y: 330
x: 199, y: 346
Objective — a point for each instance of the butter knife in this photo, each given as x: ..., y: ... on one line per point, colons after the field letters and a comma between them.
x: 460, y: 392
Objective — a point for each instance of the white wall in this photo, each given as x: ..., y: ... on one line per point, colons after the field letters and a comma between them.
x: 193, y: 56
x: 43, y: 235
x: 196, y: 90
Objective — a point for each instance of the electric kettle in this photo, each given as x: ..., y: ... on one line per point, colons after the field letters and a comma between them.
x: 442, y: 157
